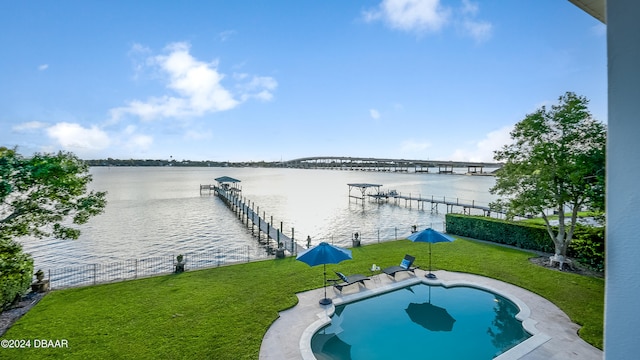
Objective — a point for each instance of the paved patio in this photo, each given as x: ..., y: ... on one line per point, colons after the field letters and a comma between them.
x: 554, y: 335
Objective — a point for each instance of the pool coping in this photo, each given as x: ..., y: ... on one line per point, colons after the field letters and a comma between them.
x: 554, y: 336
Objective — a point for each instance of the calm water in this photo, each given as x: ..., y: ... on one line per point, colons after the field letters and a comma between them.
x: 159, y: 211
x: 422, y: 322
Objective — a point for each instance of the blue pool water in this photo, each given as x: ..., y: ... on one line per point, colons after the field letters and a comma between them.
x: 422, y: 322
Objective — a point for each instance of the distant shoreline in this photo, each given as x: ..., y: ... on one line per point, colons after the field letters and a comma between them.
x: 260, y: 164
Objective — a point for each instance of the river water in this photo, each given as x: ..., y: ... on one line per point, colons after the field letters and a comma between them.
x: 160, y: 211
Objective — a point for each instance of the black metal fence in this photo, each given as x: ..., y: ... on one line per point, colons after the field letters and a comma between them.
x: 377, y: 235
x: 91, y: 274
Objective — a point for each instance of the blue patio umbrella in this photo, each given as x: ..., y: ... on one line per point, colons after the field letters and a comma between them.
x: 430, y: 236
x: 323, y: 254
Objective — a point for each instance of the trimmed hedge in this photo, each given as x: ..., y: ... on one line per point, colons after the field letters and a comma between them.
x: 525, y: 236
x: 587, y: 245
x: 16, y: 272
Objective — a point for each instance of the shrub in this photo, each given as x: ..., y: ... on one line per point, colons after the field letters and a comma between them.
x: 588, y: 247
x: 16, y: 271
x: 525, y: 236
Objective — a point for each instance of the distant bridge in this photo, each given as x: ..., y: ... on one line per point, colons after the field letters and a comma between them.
x: 392, y: 165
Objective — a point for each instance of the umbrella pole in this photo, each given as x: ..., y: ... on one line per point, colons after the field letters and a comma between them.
x: 325, y: 300
x: 430, y: 275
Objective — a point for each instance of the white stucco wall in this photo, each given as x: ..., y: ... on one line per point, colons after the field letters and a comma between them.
x: 622, y: 295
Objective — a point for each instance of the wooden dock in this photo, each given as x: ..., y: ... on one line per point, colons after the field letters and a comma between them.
x: 274, y: 237
x: 433, y: 201
x: 450, y: 204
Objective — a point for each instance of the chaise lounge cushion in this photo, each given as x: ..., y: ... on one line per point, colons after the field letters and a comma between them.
x: 405, y: 265
x: 348, y: 280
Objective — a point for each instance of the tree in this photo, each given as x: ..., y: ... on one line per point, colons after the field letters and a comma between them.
x: 16, y: 271
x: 556, y: 161
x: 43, y: 195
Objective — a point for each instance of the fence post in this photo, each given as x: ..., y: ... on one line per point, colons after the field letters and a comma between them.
x: 292, y: 242
x: 94, y: 273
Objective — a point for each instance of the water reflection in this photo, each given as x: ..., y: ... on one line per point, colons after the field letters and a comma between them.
x: 429, y: 316
x: 506, y: 331
x: 330, y: 346
x: 327, y: 344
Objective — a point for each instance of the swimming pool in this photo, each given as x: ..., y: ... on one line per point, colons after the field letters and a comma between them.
x: 422, y: 321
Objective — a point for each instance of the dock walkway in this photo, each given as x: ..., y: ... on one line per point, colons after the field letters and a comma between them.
x: 434, y: 201
x: 247, y: 213
x: 449, y: 203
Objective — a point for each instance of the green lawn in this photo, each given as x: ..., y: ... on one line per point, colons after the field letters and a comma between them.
x: 581, y: 214
x: 223, y: 313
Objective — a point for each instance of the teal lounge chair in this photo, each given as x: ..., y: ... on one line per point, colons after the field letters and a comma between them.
x: 405, y: 265
x: 348, y: 280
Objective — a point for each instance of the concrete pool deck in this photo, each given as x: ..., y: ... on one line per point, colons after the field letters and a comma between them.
x: 554, y: 335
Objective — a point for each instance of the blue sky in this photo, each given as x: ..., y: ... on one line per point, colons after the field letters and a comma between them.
x: 269, y: 80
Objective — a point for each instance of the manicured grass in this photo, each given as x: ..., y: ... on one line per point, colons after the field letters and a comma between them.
x: 223, y: 313
x: 581, y: 214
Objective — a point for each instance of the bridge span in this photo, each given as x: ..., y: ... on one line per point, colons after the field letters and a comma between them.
x: 392, y: 165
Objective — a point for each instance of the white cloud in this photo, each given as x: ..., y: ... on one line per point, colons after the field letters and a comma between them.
x: 470, y: 8
x: 226, y: 35
x: 29, y: 126
x: 198, y: 82
x: 259, y: 87
x: 196, y: 88
x: 129, y: 139
x: 138, y: 55
x: 478, y: 30
x: 410, y: 15
x: 129, y: 130
x: 139, y: 142
x: 375, y: 114
x: 198, y: 135
x: 421, y: 16
x: 482, y: 150
x: 73, y: 136
x: 43, y: 67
